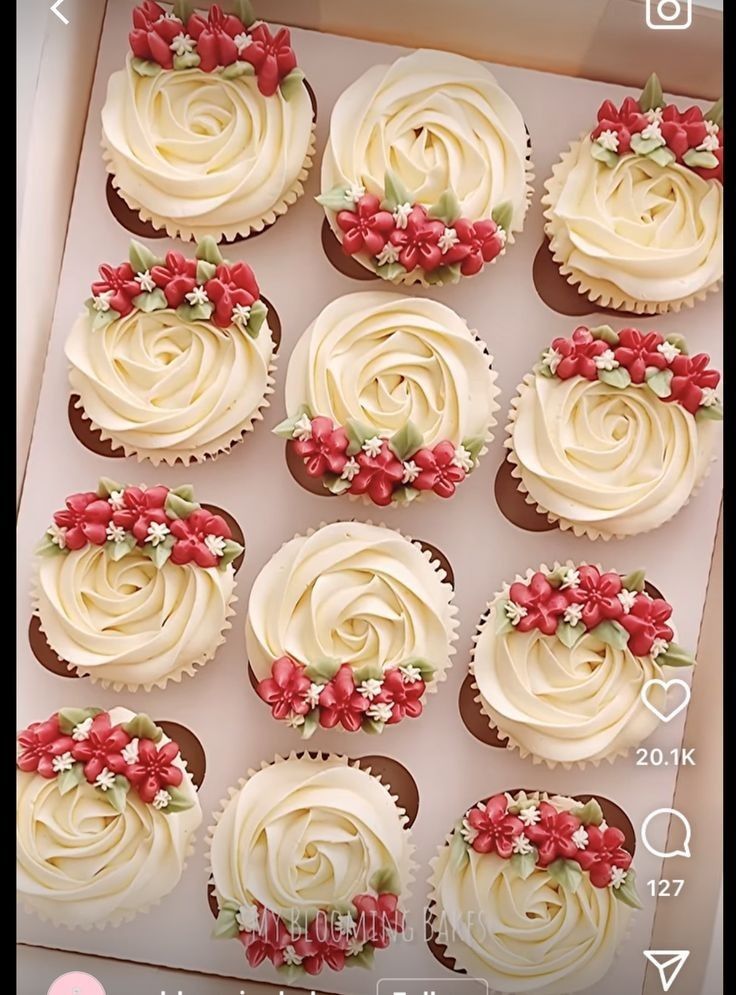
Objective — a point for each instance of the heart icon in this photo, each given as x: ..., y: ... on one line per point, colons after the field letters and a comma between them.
x: 666, y: 685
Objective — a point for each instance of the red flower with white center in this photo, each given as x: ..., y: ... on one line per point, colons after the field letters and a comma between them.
x: 268, y: 942
x: 196, y: 538
x: 378, y: 917
x: 286, y: 689
x: 543, y: 603
x: 39, y: 744
x: 229, y: 286
x: 495, y: 828
x: 321, y: 945
x: 479, y: 243
x: 379, y: 476
x: 552, y: 835
x: 637, y: 351
x: 102, y: 748
x: 603, y: 852
x: 624, y: 121
x: 646, y: 622
x: 405, y: 699
x: 683, y: 130
x: 598, y: 594
x: 340, y: 703
x: 153, y: 34
x: 271, y: 56
x: 155, y: 770
x: 140, y: 509
x: 578, y: 354
x: 215, y: 36
x: 119, y: 287
x: 418, y: 243
x: 367, y: 228
x: 690, y: 377
x: 438, y: 473
x: 86, y: 519
x: 326, y: 450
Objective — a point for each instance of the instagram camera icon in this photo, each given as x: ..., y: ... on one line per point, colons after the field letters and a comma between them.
x: 669, y: 15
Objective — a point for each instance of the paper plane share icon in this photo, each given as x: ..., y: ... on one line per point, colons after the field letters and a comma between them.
x: 669, y: 963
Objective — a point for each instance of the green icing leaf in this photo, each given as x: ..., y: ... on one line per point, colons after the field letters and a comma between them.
x: 154, y: 300
x: 406, y: 441
x: 678, y: 341
x: 715, y: 113
x: 458, y: 851
x: 391, y: 271
x: 645, y: 146
x: 311, y: 724
x: 620, y: 377
x: 394, y: 192
x: 196, y: 312
x: 105, y: 487
x: 185, y: 491
x: 710, y: 412
x: 117, y: 550
x: 364, y: 959
x: 404, y: 495
x: 569, y: 634
x: 373, y: 727
x: 700, y: 160
x: 322, y: 672
x: 69, y: 779
x: 357, y: 434
x: 447, y: 208
x: 258, y: 312
x: 424, y: 667
x: 566, y: 873
x: 244, y: 10
x: 524, y: 863
x: 48, y: 548
x: 179, y: 801
x: 285, y: 429
x: 503, y: 624
x: 675, y: 656
x: 474, y: 446
x: 662, y: 156
x: 385, y: 881
x: 231, y: 552
x: 368, y: 672
x: 659, y: 382
x: 591, y: 813
x: 335, y: 484
x: 443, y: 274
x: 336, y: 199
x: 627, y: 893
x: 117, y: 794
x: 183, y: 9
x: 179, y: 507
x: 159, y: 554
x: 71, y: 717
x: 611, y: 633
x: 557, y: 577
x: 209, y: 252
x: 635, y: 581
x: 238, y: 69
x: 651, y: 96
x: 226, y: 926
x: 606, y: 333
x: 503, y: 214
x: 102, y: 318
x: 145, y: 67
x: 142, y: 726
x: 141, y: 258
x: 205, y: 270
x: 291, y: 84
x: 188, y: 60
x: 606, y: 156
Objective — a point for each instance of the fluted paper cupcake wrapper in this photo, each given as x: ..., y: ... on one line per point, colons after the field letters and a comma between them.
x: 599, y: 292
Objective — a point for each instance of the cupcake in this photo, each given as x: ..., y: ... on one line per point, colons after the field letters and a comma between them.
x: 208, y: 130
x: 389, y: 397
x: 349, y: 626
x: 106, y: 815
x: 561, y: 658
x: 426, y: 175
x: 172, y: 358
x: 612, y: 432
x: 134, y: 586
x: 634, y: 208
x: 533, y: 893
x: 310, y: 862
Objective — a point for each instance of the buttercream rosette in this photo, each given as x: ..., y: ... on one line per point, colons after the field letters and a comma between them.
x: 350, y: 626
x: 106, y: 816
x: 173, y: 358
x: 134, y: 586
x: 533, y: 893
x: 311, y: 861
x: 209, y: 128
x: 389, y: 398
x: 634, y: 209
x: 560, y: 659
x: 613, y: 432
x: 426, y: 176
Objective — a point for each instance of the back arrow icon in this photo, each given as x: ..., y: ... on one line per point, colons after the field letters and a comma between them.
x: 55, y: 10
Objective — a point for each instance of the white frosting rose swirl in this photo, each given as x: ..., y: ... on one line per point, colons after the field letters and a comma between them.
x: 356, y: 593
x: 166, y: 388
x: 606, y: 461
x: 204, y: 155
x: 384, y: 359
x: 80, y: 863
x: 128, y: 622
x: 636, y: 235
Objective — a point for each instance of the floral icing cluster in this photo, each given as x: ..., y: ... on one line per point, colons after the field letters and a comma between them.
x: 79, y: 745
x: 353, y: 459
x: 326, y: 939
x: 329, y: 694
x: 163, y: 524
x: 650, y: 127
x: 642, y: 358
x: 235, y: 44
x: 396, y: 235
x: 572, y: 601
x: 531, y: 832
x: 201, y: 289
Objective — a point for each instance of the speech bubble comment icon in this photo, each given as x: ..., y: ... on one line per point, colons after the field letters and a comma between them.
x: 654, y: 695
x: 660, y: 815
x: 76, y: 983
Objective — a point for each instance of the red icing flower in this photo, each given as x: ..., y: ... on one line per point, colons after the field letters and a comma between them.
x: 682, y: 130
x: 637, y: 351
x: 326, y: 450
x: 153, y: 34
x: 438, y: 472
x: 102, y: 748
x: 119, y: 283
x: 215, y: 38
x: 86, y: 519
x: 229, y: 286
x: 479, y: 243
x: 140, y: 509
x: 495, y: 828
x: 367, y: 228
x: 578, y: 354
x: 321, y: 945
x: 378, y: 918
x: 624, y: 121
x: 552, y: 835
x: 155, y: 770
x: 286, y: 689
x: 191, y: 536
x: 544, y: 604
x: 603, y: 852
x: 340, y: 702
x: 646, y: 622
x: 271, y: 56
x: 39, y: 744
x: 404, y: 698
x: 418, y: 242
x: 690, y: 377
x: 378, y: 476
x: 268, y: 942
x: 177, y: 278
x: 597, y: 593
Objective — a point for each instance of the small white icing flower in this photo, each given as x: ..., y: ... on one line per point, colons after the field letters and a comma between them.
x: 709, y: 397
x: 197, y: 296
x: 62, y: 763
x: 668, y: 350
x: 573, y: 614
x: 157, y: 532
x: 102, y: 301
x: 57, y: 535
x: 242, y: 41
x: 448, y: 240
x: 501, y: 235
x: 116, y: 533
x: 570, y: 578
x: 653, y: 131
x: 401, y: 215
x: 618, y: 877
x: 603, y: 826
x: 130, y: 752
x: 551, y: 359
x: 345, y: 925
x: 608, y: 140
x: 240, y: 315
x: 247, y: 918
x: 711, y: 127
x: 312, y: 698
x: 580, y: 837
x: 117, y: 499
x: 81, y: 731
x: 302, y: 428
x: 410, y: 673
x: 654, y: 114
x: 105, y: 779
x: 294, y: 720
x: 291, y: 957
x: 215, y: 544
x: 355, y: 191
x: 627, y: 599
x: 350, y: 470
x: 514, y: 612
x: 659, y: 646
x: 161, y: 799
x: 388, y: 254
x: 521, y: 844
x: 709, y: 144
x: 182, y: 44
x: 469, y: 833
x: 146, y: 281
x: 372, y: 447
x: 355, y: 947
x: 410, y: 472
x: 381, y: 711
x: 530, y: 815
x: 606, y: 360
x: 370, y: 689
x: 463, y: 458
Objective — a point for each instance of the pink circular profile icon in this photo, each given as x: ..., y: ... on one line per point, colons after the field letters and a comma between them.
x: 76, y: 983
